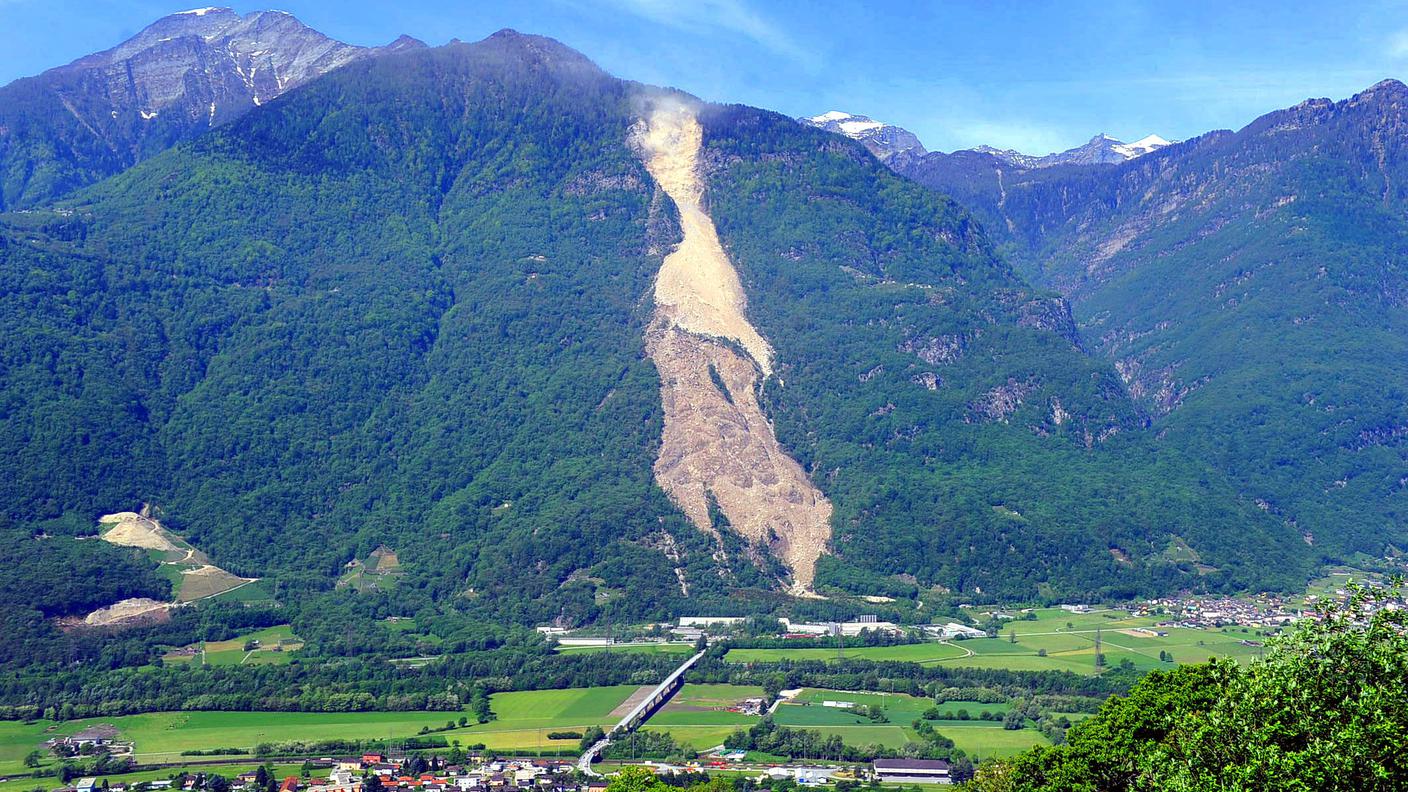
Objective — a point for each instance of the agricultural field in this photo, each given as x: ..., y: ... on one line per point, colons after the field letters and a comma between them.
x: 1055, y: 641
x: 1068, y: 642
x: 162, y: 736
x: 1336, y: 578
x: 379, y: 572
x: 977, y: 738
x: 927, y: 653
x: 273, y: 645
x: 699, y: 716
x: 524, y: 719
x: 987, y: 740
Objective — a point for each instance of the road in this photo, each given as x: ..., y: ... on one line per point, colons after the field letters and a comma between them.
x: 638, y: 714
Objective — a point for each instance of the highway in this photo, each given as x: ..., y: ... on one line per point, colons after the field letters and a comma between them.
x: 638, y: 714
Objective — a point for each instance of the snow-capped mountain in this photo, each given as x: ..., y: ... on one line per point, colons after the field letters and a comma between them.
x: 888, y: 142
x: 217, y: 61
x: 1102, y: 149
x: 179, y: 76
x: 884, y: 140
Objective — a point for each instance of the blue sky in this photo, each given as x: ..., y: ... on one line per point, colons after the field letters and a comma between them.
x: 1036, y: 76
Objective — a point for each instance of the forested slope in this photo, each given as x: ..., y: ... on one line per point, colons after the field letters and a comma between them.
x: 1249, y: 288
x: 405, y: 305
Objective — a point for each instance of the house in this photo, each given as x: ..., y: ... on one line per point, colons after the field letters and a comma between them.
x: 912, y: 771
x: 86, y: 784
x: 290, y: 784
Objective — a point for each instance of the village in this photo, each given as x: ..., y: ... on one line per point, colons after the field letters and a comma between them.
x: 374, y: 772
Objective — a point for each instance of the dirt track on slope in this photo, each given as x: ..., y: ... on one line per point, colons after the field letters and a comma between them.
x: 717, y: 442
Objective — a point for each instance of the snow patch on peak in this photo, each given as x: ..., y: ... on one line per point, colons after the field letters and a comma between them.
x: 1151, y: 140
x: 883, y: 140
x: 201, y: 11
x: 854, y: 128
x: 1140, y: 147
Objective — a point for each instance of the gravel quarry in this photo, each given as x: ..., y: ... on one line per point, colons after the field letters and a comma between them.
x: 716, y: 439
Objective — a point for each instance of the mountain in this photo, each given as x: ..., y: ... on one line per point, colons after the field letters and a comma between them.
x: 450, y: 301
x: 178, y: 77
x: 883, y: 140
x: 902, y: 150
x: 1248, y: 287
x: 1101, y: 150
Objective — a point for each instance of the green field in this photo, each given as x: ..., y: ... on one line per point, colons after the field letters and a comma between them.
x: 1072, y: 648
x: 1067, y: 638
x: 926, y: 653
x: 698, y: 716
x: 987, y: 740
x: 570, y: 707
x: 977, y: 738
x: 523, y: 720
x: 276, y: 645
x: 974, y: 708
x: 707, y: 706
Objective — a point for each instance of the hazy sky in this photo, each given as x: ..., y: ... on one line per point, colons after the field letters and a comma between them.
x: 1036, y: 76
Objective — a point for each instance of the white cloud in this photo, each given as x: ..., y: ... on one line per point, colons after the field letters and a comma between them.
x: 718, y: 16
x: 1398, y: 44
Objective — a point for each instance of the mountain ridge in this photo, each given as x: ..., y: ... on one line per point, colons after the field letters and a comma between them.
x: 176, y: 78
x: 1183, y: 266
x: 462, y: 373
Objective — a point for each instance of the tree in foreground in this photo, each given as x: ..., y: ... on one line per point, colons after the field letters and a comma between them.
x: 1326, y: 710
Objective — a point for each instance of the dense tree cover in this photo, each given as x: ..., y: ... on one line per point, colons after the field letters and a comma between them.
x: 322, y: 684
x: 62, y: 576
x: 111, y: 679
x: 934, y: 681
x: 402, y: 305
x: 948, y: 409
x: 768, y: 737
x: 1326, y: 710
x: 1250, y: 285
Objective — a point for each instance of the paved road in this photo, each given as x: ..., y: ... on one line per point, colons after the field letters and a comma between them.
x: 657, y: 698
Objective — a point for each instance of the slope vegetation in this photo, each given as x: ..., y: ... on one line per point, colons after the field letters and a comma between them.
x: 410, y: 303
x: 1249, y: 289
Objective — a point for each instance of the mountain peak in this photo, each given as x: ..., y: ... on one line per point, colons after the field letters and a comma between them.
x: 1102, y: 149
x: 405, y: 42
x: 883, y: 140
x: 541, y: 50
x: 1383, y: 89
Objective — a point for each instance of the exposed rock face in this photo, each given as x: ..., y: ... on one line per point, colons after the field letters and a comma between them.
x: 717, y: 443
x: 180, y: 76
x: 885, y: 141
x: 213, y: 63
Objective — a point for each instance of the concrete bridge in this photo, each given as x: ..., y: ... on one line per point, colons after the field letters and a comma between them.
x: 639, y: 714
